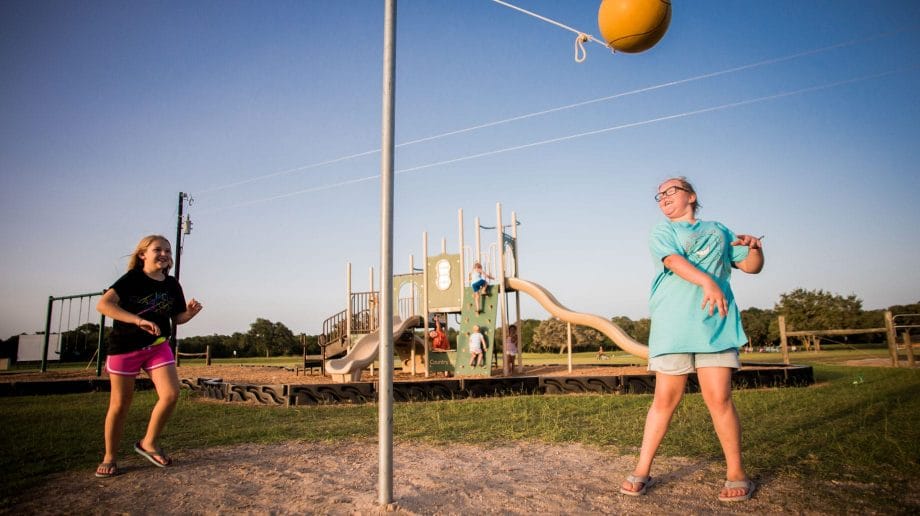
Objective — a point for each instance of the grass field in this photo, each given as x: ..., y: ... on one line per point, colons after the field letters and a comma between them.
x: 856, y: 424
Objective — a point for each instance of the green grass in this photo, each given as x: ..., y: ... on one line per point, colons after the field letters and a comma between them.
x: 579, y: 358
x: 856, y: 424
x: 825, y: 357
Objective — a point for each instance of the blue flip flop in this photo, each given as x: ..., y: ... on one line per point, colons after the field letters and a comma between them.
x: 150, y: 455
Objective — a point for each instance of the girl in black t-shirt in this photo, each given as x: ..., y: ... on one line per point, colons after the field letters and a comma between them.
x: 144, y: 303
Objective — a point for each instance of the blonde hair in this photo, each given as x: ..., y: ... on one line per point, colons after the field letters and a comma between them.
x: 135, y: 262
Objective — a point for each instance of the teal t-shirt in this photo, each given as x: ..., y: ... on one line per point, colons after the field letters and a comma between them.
x: 679, y: 323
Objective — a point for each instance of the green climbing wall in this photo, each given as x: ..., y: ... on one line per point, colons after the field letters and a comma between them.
x: 486, y: 320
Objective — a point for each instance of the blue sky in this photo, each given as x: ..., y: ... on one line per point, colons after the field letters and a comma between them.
x: 797, y: 120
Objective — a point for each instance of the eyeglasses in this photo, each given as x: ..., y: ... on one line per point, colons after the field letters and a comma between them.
x: 669, y: 192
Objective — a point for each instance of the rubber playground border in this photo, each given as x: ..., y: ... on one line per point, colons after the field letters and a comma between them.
x: 750, y: 376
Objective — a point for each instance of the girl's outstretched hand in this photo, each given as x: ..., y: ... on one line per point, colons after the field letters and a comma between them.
x: 748, y: 240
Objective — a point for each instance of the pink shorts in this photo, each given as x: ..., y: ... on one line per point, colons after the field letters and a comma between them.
x: 130, y: 364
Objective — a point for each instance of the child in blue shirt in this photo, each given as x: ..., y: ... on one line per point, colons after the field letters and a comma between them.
x: 479, y: 279
x: 479, y: 282
x: 696, y: 327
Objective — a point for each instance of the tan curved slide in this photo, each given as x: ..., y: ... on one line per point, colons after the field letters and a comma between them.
x: 348, y: 368
x: 554, y: 307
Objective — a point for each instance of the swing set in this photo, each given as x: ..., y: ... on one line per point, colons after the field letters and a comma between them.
x: 56, y: 306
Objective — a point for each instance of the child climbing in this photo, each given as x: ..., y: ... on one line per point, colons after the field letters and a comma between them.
x: 479, y: 282
x: 437, y: 336
x: 477, y: 344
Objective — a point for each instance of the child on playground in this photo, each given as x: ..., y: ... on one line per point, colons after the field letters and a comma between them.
x: 511, y: 349
x: 437, y: 336
x: 479, y: 283
x: 479, y: 279
x: 696, y: 327
x: 143, y: 304
x: 477, y: 344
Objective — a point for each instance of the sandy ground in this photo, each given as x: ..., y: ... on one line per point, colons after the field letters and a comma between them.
x: 341, y: 478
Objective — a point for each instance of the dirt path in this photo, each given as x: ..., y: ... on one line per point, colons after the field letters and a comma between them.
x: 341, y: 478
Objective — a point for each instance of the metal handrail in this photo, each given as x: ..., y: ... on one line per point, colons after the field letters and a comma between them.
x: 364, y: 319
x: 333, y: 329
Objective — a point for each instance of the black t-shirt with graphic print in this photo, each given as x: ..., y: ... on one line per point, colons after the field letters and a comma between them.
x: 157, y: 301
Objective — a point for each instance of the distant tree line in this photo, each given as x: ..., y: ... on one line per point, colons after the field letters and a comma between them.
x: 803, y: 310
x: 264, y: 339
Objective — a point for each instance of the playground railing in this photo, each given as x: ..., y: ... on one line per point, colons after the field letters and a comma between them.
x: 334, y: 329
x: 365, y: 317
x: 365, y: 312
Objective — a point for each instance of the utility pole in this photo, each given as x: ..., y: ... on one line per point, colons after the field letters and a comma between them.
x: 179, y: 227
x: 183, y: 226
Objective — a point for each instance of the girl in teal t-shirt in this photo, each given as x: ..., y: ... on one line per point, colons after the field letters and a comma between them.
x: 696, y: 327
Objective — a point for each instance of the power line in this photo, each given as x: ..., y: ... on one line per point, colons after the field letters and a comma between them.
x: 564, y: 108
x: 650, y: 121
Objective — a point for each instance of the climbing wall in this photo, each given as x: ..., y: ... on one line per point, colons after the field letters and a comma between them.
x: 485, y: 318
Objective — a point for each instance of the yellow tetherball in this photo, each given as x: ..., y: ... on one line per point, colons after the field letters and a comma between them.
x: 633, y: 25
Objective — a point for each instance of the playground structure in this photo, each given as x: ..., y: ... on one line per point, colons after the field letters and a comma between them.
x: 441, y: 287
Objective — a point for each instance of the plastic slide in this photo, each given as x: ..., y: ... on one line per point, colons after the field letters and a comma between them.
x: 554, y: 307
x: 348, y: 368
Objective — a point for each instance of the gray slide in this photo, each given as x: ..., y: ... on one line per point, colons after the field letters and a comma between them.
x: 348, y: 368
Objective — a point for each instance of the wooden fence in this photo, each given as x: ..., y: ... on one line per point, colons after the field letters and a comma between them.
x: 890, y: 331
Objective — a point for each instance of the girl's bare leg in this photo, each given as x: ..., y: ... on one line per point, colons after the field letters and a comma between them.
x: 122, y: 393
x: 716, y: 386
x: 166, y: 381
x: 669, y: 390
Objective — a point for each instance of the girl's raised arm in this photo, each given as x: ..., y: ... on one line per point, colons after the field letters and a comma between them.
x: 754, y: 261
x: 191, y: 310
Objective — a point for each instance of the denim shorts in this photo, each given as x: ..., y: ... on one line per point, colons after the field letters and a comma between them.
x: 686, y: 363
